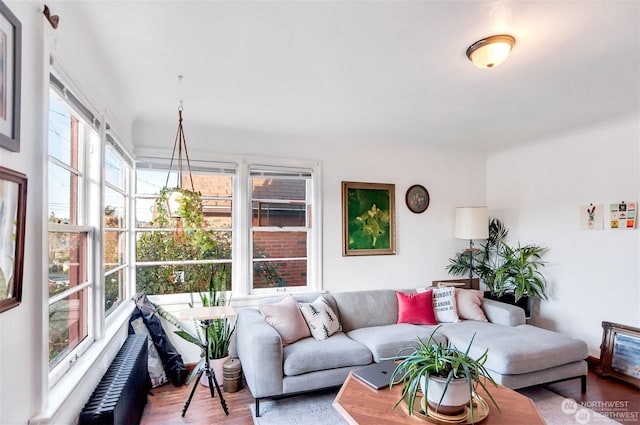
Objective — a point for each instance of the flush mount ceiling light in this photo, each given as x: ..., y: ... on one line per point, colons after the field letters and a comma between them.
x: 491, y: 51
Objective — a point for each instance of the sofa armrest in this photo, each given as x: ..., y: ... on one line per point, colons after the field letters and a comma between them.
x: 260, y: 350
x: 502, y: 313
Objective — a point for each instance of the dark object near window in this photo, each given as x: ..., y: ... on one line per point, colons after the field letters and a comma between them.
x: 171, y: 359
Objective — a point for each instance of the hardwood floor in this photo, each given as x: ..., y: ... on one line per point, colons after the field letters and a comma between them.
x: 165, y: 406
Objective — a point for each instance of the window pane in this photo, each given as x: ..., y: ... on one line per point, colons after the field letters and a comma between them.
x: 284, y: 189
x: 279, y: 214
x: 167, y: 279
x: 115, y: 248
x: 217, y: 213
x: 114, y: 210
x: 114, y: 288
x: 60, y: 130
x: 63, y: 195
x: 274, y: 274
x: 67, y: 261
x: 67, y: 325
x: 279, y: 245
x: 115, y: 170
x: 145, y: 209
x: 149, y: 182
x: 176, y: 241
x: 184, y: 244
x: 210, y: 185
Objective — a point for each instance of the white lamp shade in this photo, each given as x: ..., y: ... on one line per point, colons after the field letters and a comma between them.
x: 472, y: 223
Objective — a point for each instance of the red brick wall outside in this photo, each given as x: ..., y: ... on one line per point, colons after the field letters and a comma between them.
x: 282, y: 245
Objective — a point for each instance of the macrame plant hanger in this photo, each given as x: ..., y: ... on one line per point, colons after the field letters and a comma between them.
x: 179, y: 144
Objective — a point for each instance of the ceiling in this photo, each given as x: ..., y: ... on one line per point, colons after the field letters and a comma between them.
x: 373, y: 71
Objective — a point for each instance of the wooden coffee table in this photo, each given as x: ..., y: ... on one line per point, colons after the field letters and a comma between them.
x: 360, y: 404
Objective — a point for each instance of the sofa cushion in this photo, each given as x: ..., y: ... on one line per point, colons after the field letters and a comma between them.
x: 468, y: 304
x: 320, y: 318
x: 516, y: 349
x: 309, y: 354
x: 386, y: 341
x: 416, y: 308
x: 286, y: 318
x: 360, y: 309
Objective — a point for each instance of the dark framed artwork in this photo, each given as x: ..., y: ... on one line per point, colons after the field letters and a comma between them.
x: 417, y: 199
x: 368, y: 219
x: 10, y: 78
x: 13, y: 216
x: 620, y: 353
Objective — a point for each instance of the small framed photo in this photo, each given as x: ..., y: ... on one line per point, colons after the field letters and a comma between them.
x: 13, y: 216
x: 10, y: 78
x: 368, y: 219
x: 620, y: 353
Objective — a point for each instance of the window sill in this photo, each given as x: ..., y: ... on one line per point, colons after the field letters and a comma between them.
x: 173, y: 301
x: 68, y: 396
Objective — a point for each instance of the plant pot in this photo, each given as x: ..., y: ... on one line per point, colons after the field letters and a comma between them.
x: 455, y: 398
x: 216, y: 367
x: 523, y: 302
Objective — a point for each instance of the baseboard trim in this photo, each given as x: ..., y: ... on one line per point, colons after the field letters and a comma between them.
x: 593, y: 362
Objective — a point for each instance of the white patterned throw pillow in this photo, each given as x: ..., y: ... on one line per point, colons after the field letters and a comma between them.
x: 444, y: 304
x: 320, y: 318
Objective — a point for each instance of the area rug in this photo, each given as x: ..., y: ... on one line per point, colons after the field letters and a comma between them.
x: 316, y: 409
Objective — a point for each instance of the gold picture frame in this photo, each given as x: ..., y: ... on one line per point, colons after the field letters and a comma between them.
x: 368, y: 218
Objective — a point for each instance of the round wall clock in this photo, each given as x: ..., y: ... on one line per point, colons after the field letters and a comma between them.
x: 417, y: 199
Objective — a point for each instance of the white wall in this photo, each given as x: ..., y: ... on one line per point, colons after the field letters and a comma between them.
x: 20, y: 327
x: 537, y: 190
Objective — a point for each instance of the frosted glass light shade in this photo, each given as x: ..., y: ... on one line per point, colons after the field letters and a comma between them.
x: 472, y: 223
x: 491, y: 51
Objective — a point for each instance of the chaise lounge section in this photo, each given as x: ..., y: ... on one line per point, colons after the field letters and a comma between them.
x: 520, y: 355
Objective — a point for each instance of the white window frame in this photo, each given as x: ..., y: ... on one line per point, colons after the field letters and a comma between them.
x: 281, y: 172
x: 85, y: 163
x: 242, y: 265
x: 127, y: 160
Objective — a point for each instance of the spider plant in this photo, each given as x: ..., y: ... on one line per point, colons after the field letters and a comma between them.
x: 423, y: 360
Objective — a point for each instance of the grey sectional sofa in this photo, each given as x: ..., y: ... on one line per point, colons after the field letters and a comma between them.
x: 519, y: 356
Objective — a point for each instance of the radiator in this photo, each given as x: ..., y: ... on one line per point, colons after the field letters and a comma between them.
x: 121, y: 395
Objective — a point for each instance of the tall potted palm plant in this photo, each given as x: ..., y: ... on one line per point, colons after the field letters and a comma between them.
x: 510, y: 274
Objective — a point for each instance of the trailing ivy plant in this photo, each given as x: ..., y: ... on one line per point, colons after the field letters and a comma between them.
x: 181, y: 238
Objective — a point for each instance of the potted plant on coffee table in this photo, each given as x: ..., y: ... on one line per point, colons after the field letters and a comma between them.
x: 447, y: 376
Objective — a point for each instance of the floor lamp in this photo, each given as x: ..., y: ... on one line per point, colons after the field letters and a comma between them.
x: 471, y: 223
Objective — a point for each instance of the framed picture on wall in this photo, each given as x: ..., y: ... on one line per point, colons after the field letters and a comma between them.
x: 368, y: 219
x: 10, y: 78
x: 13, y: 215
x: 620, y: 353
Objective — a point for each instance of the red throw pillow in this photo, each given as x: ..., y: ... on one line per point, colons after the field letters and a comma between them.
x: 416, y: 308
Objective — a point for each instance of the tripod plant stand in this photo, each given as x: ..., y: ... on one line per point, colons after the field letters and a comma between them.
x: 206, y: 315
